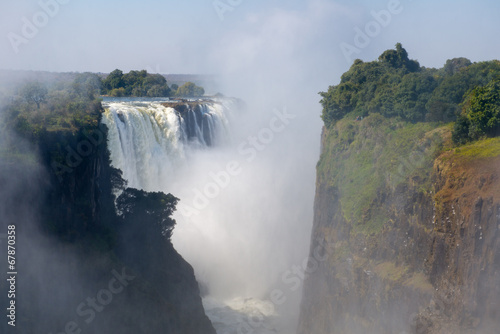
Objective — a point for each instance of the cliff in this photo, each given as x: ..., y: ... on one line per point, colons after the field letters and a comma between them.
x: 412, y: 231
x: 81, y: 267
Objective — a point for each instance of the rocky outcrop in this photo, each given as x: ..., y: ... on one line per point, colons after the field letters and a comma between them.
x: 75, y: 275
x: 423, y: 255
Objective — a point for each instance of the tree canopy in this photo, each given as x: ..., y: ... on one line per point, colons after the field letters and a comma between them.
x: 35, y: 92
x: 88, y: 85
x: 152, y: 210
x: 480, y: 115
x: 136, y: 83
x: 114, y: 80
x: 396, y: 86
x: 189, y: 89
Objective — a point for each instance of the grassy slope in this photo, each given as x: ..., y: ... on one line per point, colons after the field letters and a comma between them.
x: 363, y: 159
x: 367, y: 158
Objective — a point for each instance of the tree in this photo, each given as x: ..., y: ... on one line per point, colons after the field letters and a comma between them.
x: 399, y: 59
x: 482, y: 108
x: 114, y: 80
x: 134, y: 79
x: 158, y: 91
x: 413, y: 94
x: 152, y: 210
x: 454, y: 65
x: 155, y: 85
x: 190, y: 89
x: 117, y: 92
x: 480, y: 114
x: 154, y: 79
x: 87, y: 85
x: 460, y: 133
x: 34, y: 92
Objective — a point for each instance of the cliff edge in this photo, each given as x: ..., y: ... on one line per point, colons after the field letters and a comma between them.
x: 413, y: 231
x: 82, y: 267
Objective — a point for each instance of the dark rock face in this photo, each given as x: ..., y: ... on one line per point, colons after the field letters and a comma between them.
x: 434, y: 267
x: 75, y: 275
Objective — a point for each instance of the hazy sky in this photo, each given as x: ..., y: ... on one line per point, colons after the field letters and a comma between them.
x: 272, y: 53
x: 192, y: 37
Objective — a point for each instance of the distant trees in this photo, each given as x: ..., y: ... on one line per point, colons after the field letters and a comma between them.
x: 68, y: 105
x: 454, y: 65
x: 396, y: 86
x: 88, y: 85
x: 60, y: 106
x: 156, y: 85
x: 399, y: 59
x: 189, y: 89
x: 412, y: 95
x: 114, y: 80
x: 480, y: 114
x: 34, y: 92
x: 136, y: 83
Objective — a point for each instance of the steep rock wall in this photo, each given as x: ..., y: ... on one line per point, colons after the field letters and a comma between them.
x: 68, y: 236
x: 413, y: 233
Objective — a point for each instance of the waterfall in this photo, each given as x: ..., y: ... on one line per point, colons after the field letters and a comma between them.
x: 149, y: 141
x: 234, y: 242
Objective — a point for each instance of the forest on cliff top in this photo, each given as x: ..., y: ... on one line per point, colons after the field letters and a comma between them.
x: 396, y: 86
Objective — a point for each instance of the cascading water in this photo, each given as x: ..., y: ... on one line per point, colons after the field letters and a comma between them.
x: 149, y: 141
x: 172, y: 147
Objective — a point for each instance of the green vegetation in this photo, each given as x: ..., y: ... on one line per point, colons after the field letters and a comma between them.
x: 365, y: 159
x: 88, y: 85
x: 480, y: 115
x: 70, y: 108
x: 34, y: 92
x: 387, y: 120
x: 151, y: 212
x: 56, y: 124
x: 135, y: 83
x: 189, y: 89
x: 143, y: 84
x: 486, y: 148
x: 396, y: 86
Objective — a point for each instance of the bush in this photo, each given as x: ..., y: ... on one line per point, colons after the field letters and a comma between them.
x: 189, y: 89
x: 480, y: 115
x: 117, y: 92
x: 396, y: 86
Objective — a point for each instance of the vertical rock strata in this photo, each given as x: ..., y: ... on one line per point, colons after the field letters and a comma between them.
x: 413, y: 227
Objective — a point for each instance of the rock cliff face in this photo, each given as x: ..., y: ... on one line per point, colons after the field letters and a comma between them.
x: 413, y: 229
x: 75, y: 274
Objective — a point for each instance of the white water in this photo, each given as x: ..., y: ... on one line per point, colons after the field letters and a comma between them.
x: 149, y: 143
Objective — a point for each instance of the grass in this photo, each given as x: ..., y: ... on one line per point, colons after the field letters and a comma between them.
x: 364, y: 159
x: 486, y: 148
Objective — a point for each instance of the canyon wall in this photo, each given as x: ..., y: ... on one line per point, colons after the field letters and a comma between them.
x: 413, y: 229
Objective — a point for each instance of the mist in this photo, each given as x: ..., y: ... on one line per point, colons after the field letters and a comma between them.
x: 273, y: 55
x: 50, y: 273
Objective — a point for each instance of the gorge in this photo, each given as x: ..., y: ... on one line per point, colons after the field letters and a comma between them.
x: 187, y: 148
x: 192, y: 214
x: 407, y: 198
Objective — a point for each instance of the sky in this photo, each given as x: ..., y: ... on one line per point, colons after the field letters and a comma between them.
x: 274, y: 54
x: 237, y: 36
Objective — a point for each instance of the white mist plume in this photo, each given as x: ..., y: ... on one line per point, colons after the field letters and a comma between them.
x: 245, y: 239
